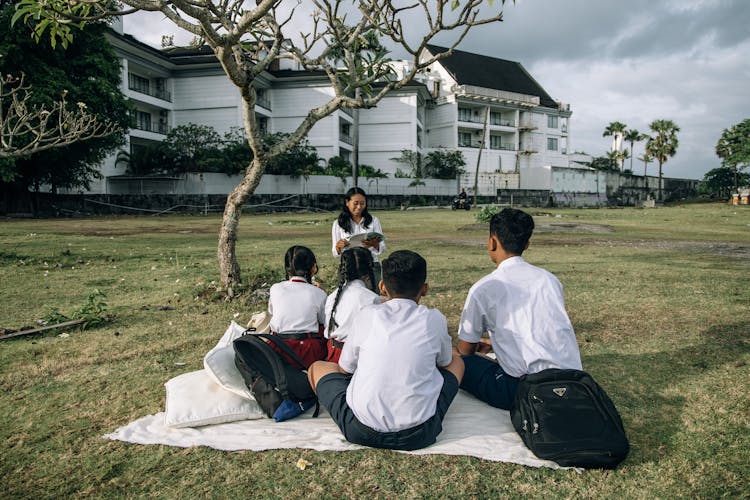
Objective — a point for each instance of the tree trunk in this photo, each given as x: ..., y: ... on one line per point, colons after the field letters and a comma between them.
x: 660, y: 181
x: 479, y: 155
x: 226, y: 252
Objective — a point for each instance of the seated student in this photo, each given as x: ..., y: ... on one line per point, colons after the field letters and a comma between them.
x: 297, y: 306
x: 355, y: 290
x: 522, y: 308
x: 397, y: 375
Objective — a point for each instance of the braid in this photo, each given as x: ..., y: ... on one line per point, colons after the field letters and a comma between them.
x: 332, y: 324
x: 356, y: 263
x: 371, y: 276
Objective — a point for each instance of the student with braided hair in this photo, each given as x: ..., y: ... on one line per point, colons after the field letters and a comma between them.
x: 356, y: 289
x: 297, y: 306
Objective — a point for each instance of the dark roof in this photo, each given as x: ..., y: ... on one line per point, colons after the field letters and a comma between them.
x: 492, y: 73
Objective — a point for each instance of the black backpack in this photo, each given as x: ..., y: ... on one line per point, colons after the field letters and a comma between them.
x: 271, y: 378
x: 566, y: 417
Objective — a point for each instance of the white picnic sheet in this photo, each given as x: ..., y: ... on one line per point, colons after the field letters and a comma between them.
x: 471, y: 428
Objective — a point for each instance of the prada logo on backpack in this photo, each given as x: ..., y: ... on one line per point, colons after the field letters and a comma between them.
x: 560, y: 391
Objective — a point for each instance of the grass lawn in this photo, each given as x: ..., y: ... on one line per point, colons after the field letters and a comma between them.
x: 658, y: 298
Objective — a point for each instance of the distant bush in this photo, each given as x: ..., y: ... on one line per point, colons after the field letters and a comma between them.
x: 486, y: 213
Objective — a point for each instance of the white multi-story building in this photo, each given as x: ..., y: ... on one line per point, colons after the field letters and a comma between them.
x: 490, y: 109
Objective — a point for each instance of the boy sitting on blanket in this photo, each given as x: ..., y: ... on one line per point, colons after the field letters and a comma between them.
x: 522, y: 308
x: 397, y: 374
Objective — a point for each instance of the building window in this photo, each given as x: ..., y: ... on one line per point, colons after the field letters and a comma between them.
x: 139, y: 84
x: 142, y: 120
x: 263, y: 125
x: 344, y: 154
x: 464, y: 139
x: 551, y: 121
x: 419, y: 136
x: 551, y: 144
x: 464, y: 115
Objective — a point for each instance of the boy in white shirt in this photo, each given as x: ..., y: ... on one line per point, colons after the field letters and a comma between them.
x: 397, y: 374
x: 522, y: 309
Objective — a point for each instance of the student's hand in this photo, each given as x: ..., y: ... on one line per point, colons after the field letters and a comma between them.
x: 484, y: 346
x: 372, y: 243
x: 340, y: 245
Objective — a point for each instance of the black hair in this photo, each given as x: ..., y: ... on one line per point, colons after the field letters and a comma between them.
x: 299, y: 261
x: 345, y: 217
x: 512, y: 228
x: 404, y: 273
x: 356, y: 263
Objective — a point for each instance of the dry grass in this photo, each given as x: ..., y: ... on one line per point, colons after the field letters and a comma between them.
x: 659, y: 305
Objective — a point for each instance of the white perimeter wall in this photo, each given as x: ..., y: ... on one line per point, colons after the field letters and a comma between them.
x: 213, y: 183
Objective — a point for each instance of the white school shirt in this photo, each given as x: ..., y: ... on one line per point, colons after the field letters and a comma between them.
x: 296, y: 306
x: 355, y: 296
x: 338, y: 233
x: 393, y: 351
x: 522, y: 308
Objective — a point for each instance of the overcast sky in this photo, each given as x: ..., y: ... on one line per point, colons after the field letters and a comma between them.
x: 633, y: 62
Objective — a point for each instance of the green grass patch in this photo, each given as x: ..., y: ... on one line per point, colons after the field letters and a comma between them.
x: 659, y: 300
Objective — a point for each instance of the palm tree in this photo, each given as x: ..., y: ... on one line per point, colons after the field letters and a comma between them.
x: 618, y: 157
x: 663, y: 143
x: 646, y: 159
x: 616, y: 130
x: 633, y: 136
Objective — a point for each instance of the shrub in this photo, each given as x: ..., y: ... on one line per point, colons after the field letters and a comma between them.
x: 485, y: 214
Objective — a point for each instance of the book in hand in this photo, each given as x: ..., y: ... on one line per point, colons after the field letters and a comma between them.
x: 356, y: 240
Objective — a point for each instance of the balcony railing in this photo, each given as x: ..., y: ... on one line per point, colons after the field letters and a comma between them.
x: 469, y: 144
x: 157, y: 128
x: 346, y: 138
x: 159, y: 94
x: 503, y: 147
x: 501, y: 122
x: 469, y: 118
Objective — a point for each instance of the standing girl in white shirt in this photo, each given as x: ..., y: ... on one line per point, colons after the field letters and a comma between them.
x: 355, y: 219
x: 356, y: 289
x: 297, y: 306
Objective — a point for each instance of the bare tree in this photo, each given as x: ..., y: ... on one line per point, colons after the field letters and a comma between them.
x: 340, y: 38
x: 26, y: 128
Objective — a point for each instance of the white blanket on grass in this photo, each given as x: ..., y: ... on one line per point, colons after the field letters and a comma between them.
x: 471, y: 428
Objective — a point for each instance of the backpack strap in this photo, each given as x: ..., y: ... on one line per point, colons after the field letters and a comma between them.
x: 280, y: 343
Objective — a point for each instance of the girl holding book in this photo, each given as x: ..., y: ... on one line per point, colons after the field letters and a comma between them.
x: 353, y: 220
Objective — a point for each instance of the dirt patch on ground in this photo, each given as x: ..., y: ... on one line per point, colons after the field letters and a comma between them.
x: 129, y: 230
x: 738, y: 250
x: 552, y: 227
